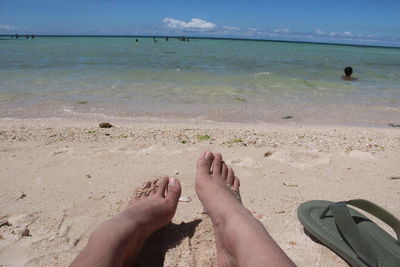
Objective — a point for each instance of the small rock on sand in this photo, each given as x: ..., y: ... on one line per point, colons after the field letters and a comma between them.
x: 5, y: 223
x: 287, y: 117
x: 22, y: 195
x: 25, y: 232
x: 105, y: 125
x: 267, y: 154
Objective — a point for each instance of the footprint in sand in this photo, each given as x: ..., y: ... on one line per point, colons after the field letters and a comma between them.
x: 63, y: 150
x: 302, y: 159
x: 126, y: 149
x: 160, y: 149
x: 359, y: 154
x: 157, y: 148
x: 120, y: 149
x: 243, y: 162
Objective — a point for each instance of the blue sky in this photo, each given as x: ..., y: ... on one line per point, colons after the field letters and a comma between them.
x: 360, y: 22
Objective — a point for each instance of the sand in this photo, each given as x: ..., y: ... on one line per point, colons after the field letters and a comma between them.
x: 61, y: 178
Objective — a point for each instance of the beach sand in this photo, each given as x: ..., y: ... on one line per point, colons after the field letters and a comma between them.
x: 61, y: 178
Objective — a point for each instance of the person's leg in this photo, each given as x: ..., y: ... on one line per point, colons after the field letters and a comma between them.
x: 118, y: 241
x: 240, y: 238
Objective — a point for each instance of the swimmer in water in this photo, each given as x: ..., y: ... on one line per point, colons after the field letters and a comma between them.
x: 348, y: 71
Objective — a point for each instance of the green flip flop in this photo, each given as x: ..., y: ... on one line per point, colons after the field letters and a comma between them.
x: 351, y: 235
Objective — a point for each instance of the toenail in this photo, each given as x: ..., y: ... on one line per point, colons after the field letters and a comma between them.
x: 172, y: 182
x: 208, y: 155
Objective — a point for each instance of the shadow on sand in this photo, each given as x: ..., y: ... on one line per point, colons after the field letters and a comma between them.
x: 155, y: 248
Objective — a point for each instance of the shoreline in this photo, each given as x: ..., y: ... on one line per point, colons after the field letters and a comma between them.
x: 93, y: 120
x: 62, y: 177
x: 226, y: 113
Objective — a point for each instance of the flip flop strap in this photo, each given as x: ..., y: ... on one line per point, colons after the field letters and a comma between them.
x: 361, y: 245
x: 352, y: 234
x: 379, y: 213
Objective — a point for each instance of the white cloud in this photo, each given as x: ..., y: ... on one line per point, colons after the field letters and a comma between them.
x: 281, y: 31
x: 319, y: 32
x: 7, y: 27
x: 348, y: 34
x: 194, y: 24
x: 230, y: 28
x: 199, y: 27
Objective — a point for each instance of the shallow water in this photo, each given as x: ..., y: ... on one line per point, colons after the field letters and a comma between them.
x: 222, y: 80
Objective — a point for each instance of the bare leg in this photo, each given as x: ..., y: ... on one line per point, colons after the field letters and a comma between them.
x: 240, y: 238
x: 117, y: 242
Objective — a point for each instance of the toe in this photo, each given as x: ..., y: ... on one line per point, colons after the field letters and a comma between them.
x: 161, y: 190
x: 173, y: 191
x: 236, y: 184
x: 224, y: 171
x: 204, y: 163
x: 154, y: 187
x: 217, y: 164
x: 231, y: 177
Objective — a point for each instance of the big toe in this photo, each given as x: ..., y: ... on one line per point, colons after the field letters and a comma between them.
x: 173, y: 191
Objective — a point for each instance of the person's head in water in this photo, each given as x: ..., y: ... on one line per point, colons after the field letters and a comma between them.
x: 348, y: 71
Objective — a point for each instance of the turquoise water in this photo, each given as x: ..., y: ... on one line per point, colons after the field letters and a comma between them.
x: 221, y: 80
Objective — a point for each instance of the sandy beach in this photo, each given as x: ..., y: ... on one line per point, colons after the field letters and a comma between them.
x: 61, y: 178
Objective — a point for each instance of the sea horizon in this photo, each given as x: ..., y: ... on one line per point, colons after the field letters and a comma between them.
x: 200, y: 38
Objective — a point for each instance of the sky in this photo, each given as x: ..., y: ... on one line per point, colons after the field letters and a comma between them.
x: 357, y: 22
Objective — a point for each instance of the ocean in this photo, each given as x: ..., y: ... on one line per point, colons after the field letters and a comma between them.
x: 198, y: 80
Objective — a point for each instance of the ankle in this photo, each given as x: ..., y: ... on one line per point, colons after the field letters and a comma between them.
x: 116, y: 228
x: 229, y: 218
x: 129, y: 225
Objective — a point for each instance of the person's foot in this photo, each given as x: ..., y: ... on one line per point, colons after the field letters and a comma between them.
x: 118, y: 241
x: 152, y: 207
x: 215, y: 183
x: 154, y: 204
x: 235, y: 227
x: 220, y: 174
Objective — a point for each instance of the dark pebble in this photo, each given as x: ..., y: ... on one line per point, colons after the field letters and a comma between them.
x: 25, y: 232
x: 105, y: 125
x: 267, y: 154
x: 5, y: 223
